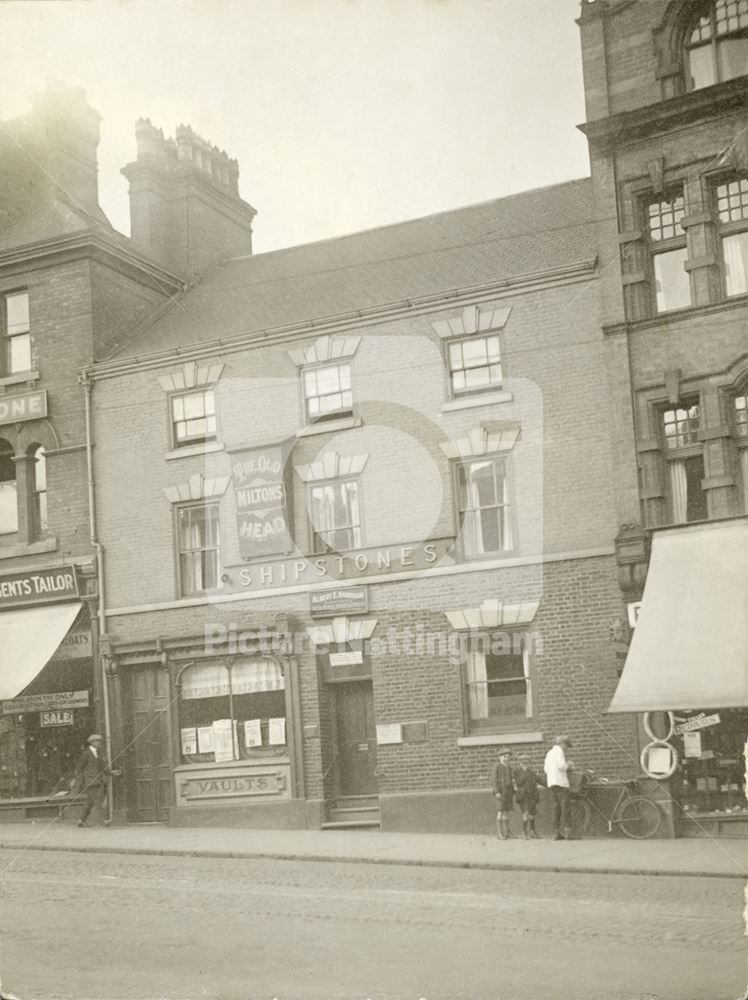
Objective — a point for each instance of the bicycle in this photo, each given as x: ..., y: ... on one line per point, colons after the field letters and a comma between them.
x: 637, y: 816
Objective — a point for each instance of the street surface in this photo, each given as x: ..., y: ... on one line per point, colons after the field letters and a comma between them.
x: 81, y: 926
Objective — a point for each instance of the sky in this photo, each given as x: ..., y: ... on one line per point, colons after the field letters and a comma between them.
x: 343, y: 114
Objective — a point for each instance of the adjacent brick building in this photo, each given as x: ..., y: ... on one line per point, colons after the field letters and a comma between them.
x: 667, y: 125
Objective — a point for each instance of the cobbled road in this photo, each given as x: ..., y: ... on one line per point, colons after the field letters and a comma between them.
x: 137, y: 927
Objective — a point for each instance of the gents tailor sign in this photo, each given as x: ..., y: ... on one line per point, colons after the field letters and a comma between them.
x: 30, y: 406
x: 261, y: 502
x: 38, y: 586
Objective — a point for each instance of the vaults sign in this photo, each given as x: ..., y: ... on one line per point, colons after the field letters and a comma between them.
x: 262, y: 505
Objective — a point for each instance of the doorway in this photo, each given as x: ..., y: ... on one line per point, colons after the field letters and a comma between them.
x: 148, y: 772
x: 356, y: 738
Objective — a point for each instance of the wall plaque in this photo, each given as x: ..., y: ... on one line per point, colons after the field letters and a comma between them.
x: 343, y: 601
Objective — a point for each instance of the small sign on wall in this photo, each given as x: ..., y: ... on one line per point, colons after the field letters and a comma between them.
x: 56, y: 719
x: 632, y: 609
x: 389, y: 733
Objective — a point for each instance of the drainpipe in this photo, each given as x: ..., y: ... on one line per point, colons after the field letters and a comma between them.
x: 87, y: 384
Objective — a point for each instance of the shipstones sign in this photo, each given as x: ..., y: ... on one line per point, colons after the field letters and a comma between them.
x: 31, y: 406
x: 262, y: 506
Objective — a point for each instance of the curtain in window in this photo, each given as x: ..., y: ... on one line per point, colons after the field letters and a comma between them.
x: 735, y: 252
x: 250, y: 676
x: 205, y: 680
x: 8, y: 490
x: 744, y: 471
x: 477, y: 684
x: 679, y: 492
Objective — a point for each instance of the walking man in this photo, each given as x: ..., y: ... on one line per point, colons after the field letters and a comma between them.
x: 556, y: 769
x: 90, y: 775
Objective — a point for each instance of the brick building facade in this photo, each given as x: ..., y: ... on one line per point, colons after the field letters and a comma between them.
x: 385, y: 503
x: 422, y: 402
x: 69, y: 286
x: 667, y: 125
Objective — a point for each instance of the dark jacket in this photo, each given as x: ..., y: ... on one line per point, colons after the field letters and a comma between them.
x: 503, y: 782
x: 526, y: 783
x: 91, y: 769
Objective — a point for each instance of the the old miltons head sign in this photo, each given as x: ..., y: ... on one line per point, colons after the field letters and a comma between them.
x: 262, y: 505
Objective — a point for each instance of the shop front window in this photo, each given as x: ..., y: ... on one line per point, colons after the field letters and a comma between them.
x: 41, y: 738
x: 232, y: 711
x: 710, y: 746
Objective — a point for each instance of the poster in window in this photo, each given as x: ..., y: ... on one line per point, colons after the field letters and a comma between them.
x: 252, y: 733
x: 223, y: 740
x: 277, y: 732
x: 189, y: 741
x: 205, y: 739
x: 262, y: 501
x: 692, y: 744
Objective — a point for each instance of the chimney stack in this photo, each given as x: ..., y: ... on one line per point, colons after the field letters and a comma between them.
x: 185, y: 209
x: 53, y: 148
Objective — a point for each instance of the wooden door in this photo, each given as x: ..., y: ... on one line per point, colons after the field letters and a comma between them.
x: 148, y: 774
x: 356, y: 738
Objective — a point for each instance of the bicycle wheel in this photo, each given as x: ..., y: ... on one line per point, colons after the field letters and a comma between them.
x: 580, y: 817
x: 639, y: 818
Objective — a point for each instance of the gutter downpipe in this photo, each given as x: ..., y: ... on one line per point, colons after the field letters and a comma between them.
x: 87, y: 384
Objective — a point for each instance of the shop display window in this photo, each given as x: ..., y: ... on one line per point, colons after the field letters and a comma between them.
x: 710, y: 746
x: 232, y: 711
x: 39, y: 749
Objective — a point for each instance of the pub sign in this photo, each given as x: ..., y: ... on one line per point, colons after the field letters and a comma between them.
x: 263, y: 511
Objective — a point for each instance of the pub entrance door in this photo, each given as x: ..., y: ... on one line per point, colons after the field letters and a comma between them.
x: 356, y: 738
x: 148, y: 774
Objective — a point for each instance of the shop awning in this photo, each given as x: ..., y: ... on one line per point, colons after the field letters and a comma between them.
x: 690, y: 645
x: 28, y: 639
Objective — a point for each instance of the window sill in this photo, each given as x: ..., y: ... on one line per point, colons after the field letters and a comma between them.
x: 327, y: 426
x: 472, y: 402
x: 194, y: 449
x: 19, y: 378
x: 498, y: 739
x: 29, y: 548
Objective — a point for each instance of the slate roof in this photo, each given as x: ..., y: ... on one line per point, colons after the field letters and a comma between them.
x: 530, y: 233
x: 52, y: 220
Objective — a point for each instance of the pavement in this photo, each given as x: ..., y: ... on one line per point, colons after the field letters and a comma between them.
x: 702, y: 857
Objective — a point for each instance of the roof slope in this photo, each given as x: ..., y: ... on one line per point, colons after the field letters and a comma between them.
x: 53, y: 220
x: 530, y: 233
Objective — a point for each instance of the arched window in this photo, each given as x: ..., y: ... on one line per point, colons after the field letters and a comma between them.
x: 8, y: 490
x: 38, y: 485
x: 717, y: 46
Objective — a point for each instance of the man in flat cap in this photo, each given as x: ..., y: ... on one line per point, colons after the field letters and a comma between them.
x: 90, y: 775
